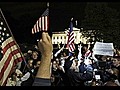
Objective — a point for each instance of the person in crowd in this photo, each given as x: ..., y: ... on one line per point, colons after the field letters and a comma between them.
x: 36, y: 66
x: 28, y: 77
x: 34, y: 55
x: 43, y: 76
x: 61, y: 64
x: 116, y: 64
x: 105, y: 70
x: 116, y: 52
x: 12, y: 80
x: 114, y: 72
x: 28, y: 66
x: 86, y: 53
x: 27, y: 56
x: 77, y: 78
x: 57, y: 72
x: 19, y: 74
x: 110, y: 83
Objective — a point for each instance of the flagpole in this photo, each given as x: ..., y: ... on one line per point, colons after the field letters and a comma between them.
x: 12, y: 36
x: 9, y: 28
x: 6, y: 23
x: 2, y: 16
x: 68, y: 29
x: 14, y: 40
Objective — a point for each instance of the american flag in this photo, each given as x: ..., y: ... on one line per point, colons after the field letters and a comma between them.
x: 42, y: 23
x: 10, y: 53
x: 71, y: 38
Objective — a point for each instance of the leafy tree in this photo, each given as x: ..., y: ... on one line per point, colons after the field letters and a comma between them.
x: 101, y: 22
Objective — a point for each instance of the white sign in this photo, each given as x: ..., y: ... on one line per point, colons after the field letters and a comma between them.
x: 101, y: 48
x: 97, y: 77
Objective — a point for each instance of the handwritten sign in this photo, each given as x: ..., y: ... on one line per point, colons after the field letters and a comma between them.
x: 101, y: 48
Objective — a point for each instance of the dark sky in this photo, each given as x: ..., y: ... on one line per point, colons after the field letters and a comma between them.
x: 60, y: 12
x: 21, y: 16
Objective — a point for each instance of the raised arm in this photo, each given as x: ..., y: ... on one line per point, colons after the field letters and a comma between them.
x: 43, y: 75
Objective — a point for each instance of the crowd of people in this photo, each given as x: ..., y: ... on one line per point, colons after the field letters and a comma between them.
x: 100, y: 70
x: 42, y: 67
x: 35, y: 69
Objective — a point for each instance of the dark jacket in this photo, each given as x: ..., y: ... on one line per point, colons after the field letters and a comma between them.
x: 77, y: 78
x: 41, y: 82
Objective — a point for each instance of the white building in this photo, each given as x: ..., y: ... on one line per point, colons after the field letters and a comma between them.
x: 61, y: 37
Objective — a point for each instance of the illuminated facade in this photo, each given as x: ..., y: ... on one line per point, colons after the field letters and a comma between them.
x: 61, y: 37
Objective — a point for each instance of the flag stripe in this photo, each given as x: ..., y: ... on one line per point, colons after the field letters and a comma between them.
x: 6, y: 43
x: 8, y: 63
x: 32, y: 30
x: 6, y: 75
x: 7, y: 71
x: 8, y: 46
x: 37, y: 27
x: 10, y: 53
x: 70, y: 42
x: 3, y: 81
x: 42, y: 23
x: 46, y: 23
x: 8, y: 60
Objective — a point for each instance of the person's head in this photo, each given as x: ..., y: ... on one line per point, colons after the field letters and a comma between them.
x: 115, y: 72
x: 76, y: 61
x: 37, y: 64
x: 13, y: 76
x: 57, y: 61
x: 54, y: 65
x: 116, y: 61
x: 104, y: 58
x: 110, y: 83
x: 117, y: 52
x: 64, y: 54
x: 29, y: 52
x: 30, y: 62
x: 85, y: 48
x: 35, y: 55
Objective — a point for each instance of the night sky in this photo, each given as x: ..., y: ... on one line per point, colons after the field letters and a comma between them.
x: 21, y: 16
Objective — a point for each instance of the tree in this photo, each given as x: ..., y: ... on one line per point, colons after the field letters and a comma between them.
x: 101, y: 22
